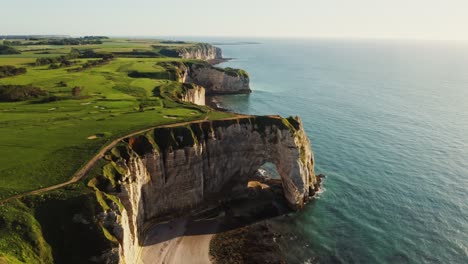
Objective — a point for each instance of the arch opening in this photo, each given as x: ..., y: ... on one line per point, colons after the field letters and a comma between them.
x: 254, y: 195
x: 269, y: 170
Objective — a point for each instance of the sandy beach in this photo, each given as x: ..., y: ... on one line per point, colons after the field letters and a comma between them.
x: 187, y: 239
x: 181, y: 240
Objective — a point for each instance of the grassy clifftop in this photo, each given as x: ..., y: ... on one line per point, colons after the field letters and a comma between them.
x: 70, y: 101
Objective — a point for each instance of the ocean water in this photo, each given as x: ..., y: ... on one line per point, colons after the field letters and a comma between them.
x: 388, y: 123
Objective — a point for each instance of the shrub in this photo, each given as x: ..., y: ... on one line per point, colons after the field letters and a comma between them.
x: 90, y: 64
x: 12, y: 93
x: 169, y: 53
x: 52, y: 98
x: 235, y: 72
x: 138, y: 54
x: 52, y: 60
x: 54, y: 66
x: 8, y: 70
x: 89, y: 53
x: 6, y: 50
x: 76, y: 91
x: 64, y: 60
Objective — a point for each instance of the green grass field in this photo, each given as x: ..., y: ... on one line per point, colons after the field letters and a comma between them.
x: 45, y: 140
x: 44, y: 143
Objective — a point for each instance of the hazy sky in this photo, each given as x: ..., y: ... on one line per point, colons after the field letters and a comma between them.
x: 420, y: 19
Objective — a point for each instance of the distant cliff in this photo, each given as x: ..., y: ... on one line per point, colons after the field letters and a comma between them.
x: 219, y: 80
x: 201, y: 51
x: 173, y: 170
x: 215, y: 80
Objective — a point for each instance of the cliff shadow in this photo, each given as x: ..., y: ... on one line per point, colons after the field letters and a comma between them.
x: 260, y: 198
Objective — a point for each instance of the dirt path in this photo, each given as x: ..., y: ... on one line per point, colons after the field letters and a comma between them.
x: 83, y: 170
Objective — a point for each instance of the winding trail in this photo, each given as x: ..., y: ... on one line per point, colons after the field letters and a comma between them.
x: 83, y: 170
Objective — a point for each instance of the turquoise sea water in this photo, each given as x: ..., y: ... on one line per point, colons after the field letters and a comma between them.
x: 388, y: 123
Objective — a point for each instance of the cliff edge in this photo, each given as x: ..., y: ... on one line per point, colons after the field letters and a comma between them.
x: 173, y: 170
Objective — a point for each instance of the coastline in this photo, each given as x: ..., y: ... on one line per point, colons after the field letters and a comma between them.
x: 219, y: 60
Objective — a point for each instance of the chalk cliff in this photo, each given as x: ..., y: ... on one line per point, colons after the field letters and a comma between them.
x: 172, y: 170
x: 215, y: 80
x: 219, y: 80
x: 194, y: 94
x: 201, y: 51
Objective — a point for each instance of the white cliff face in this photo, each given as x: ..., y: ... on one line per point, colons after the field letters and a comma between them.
x: 132, y: 217
x: 201, y: 52
x: 203, y: 160
x: 217, y: 81
x: 214, y: 80
x: 195, y: 95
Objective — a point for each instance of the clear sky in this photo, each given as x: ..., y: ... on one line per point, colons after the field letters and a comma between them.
x: 419, y: 19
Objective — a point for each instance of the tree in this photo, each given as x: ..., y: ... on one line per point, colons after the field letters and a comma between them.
x: 76, y: 91
x: 8, y: 70
x: 5, y: 50
x: 12, y: 93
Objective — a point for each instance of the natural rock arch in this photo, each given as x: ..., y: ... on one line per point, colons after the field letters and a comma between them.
x: 175, y: 169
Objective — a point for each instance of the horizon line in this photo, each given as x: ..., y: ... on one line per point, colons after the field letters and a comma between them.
x: 250, y: 36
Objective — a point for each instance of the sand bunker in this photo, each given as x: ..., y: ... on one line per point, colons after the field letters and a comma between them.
x: 95, y: 136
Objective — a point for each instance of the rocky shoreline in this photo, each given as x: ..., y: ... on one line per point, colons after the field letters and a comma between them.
x: 218, y: 61
x: 254, y: 236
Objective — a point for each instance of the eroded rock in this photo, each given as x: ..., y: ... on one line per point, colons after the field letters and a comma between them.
x: 173, y: 170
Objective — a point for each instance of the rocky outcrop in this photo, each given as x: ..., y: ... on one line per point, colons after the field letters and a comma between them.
x: 219, y: 80
x: 173, y: 170
x: 201, y: 51
x: 215, y: 80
